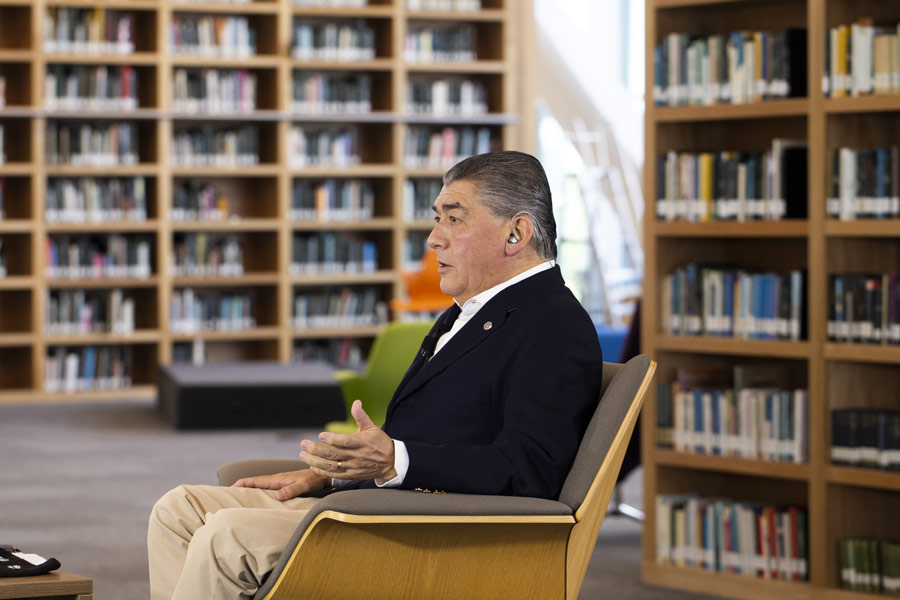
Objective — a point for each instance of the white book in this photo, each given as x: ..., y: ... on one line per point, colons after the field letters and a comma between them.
x: 70, y: 381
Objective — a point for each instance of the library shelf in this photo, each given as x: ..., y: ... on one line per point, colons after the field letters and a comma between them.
x: 255, y: 333
x: 862, y: 104
x: 375, y: 116
x: 139, y: 5
x: 663, y: 4
x: 238, y: 281
x: 264, y: 61
x: 101, y: 283
x: 15, y: 168
x: 744, y: 466
x: 485, y: 14
x: 454, y: 119
x: 423, y: 173
x: 250, y: 115
x: 139, y: 336
x: 137, y: 114
x: 419, y: 225
x: 16, y: 226
x: 336, y: 332
x: 248, y: 8
x: 759, y: 229
x: 17, y: 282
x: 836, y: 594
x: 135, y: 392
x: 263, y: 170
x: 477, y: 66
x: 8, y: 340
x: 723, y: 584
x: 135, y: 58
x: 872, y: 353
x: 374, y: 224
x: 148, y: 226
x: 228, y: 224
x: 732, y: 346
x: 15, y: 2
x: 858, y: 477
x: 794, y: 107
x: 375, y: 64
x: 380, y: 276
x: 359, y: 171
x: 863, y: 228
x: 113, y: 171
x: 15, y: 55
x: 372, y: 11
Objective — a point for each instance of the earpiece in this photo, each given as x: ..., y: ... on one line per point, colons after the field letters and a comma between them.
x: 513, y: 239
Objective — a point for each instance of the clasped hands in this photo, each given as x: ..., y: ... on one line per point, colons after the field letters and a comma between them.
x: 366, y: 454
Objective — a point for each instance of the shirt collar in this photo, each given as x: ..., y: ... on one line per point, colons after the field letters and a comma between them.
x: 471, y: 306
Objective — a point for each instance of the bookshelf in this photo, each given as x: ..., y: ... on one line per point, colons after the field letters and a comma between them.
x: 168, y: 156
x: 841, y: 501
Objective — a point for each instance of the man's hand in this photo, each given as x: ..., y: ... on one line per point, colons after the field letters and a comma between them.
x: 289, y: 485
x: 367, y: 454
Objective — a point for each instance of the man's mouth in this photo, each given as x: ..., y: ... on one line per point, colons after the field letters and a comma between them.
x: 442, y: 266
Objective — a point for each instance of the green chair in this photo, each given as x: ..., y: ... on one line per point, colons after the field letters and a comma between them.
x: 392, y: 353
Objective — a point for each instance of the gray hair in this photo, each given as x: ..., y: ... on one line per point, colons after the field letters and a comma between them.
x: 511, y: 183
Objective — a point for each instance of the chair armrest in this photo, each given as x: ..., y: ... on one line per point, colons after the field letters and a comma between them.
x: 231, y: 472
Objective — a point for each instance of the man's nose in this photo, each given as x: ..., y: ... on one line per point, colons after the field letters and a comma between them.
x: 435, y: 239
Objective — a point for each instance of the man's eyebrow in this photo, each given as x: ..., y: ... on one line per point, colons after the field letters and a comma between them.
x: 451, y: 206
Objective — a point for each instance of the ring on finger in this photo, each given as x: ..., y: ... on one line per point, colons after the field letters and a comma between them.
x: 339, y: 467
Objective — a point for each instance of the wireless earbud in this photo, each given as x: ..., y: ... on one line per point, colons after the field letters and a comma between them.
x: 513, y: 239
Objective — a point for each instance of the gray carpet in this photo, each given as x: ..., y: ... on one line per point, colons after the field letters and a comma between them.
x: 77, y: 483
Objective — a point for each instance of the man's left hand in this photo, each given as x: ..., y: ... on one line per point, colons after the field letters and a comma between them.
x: 366, y: 454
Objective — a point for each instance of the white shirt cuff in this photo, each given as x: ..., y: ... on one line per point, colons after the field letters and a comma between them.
x: 401, y: 465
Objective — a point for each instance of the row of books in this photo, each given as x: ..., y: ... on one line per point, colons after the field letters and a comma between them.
x: 98, y: 256
x: 339, y: 307
x: 338, y: 41
x: 862, y: 58
x: 332, y: 200
x: 866, y: 438
x: 88, y: 31
x: 742, y: 186
x: 88, y: 368
x: 441, y: 148
x: 331, y: 93
x: 216, y: 147
x: 414, y: 247
x: 864, y: 308
x: 742, y: 66
x: 725, y: 302
x: 212, y: 36
x: 753, y: 423
x: 91, y: 144
x: 743, y: 538
x: 336, y: 146
x: 331, y: 3
x: 91, y: 87
x: 870, y: 565
x: 213, y: 90
x: 208, y: 255
x: 95, y: 199
x: 346, y: 353
x: 192, y: 311
x: 333, y: 253
x: 192, y: 353
x: 446, y: 97
x: 199, y: 201
x: 865, y: 183
x: 440, y: 43
x: 418, y: 198
x: 73, y: 312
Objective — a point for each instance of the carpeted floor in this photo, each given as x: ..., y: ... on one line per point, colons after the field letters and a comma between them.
x: 77, y: 483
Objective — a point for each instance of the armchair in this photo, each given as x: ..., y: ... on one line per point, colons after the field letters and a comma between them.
x: 406, y: 544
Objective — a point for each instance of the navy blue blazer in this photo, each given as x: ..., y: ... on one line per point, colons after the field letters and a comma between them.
x: 502, y: 408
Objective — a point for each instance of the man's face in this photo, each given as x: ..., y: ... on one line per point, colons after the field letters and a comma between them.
x: 469, y: 242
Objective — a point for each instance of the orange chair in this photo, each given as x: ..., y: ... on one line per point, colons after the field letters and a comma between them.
x: 424, y: 289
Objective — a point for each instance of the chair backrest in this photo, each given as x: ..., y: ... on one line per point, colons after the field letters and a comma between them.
x: 588, y: 488
x: 391, y: 354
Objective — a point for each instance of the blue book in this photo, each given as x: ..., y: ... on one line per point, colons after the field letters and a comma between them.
x: 90, y: 367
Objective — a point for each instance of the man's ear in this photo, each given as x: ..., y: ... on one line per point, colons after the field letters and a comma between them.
x: 520, y: 234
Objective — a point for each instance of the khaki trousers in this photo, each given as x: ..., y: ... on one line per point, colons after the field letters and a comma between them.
x: 210, y: 542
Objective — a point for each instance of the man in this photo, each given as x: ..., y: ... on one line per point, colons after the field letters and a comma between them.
x: 495, y: 402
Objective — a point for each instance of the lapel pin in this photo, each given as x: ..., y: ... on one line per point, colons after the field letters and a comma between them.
x: 487, y: 325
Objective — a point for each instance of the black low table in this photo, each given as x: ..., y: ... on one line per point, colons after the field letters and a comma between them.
x: 252, y: 394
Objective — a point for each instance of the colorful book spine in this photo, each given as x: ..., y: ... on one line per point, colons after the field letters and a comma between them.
x: 332, y: 200
x: 862, y: 59
x: 442, y: 147
x: 98, y: 256
x: 864, y: 308
x: 91, y: 88
x: 88, y: 31
x: 200, y: 201
x: 75, y: 312
x: 212, y: 36
x: 214, y: 91
x: 87, y: 368
x: 208, y: 255
x: 92, y: 144
x: 96, y: 199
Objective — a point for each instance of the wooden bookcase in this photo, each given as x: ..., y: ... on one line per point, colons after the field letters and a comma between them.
x: 259, y: 194
x: 842, y: 502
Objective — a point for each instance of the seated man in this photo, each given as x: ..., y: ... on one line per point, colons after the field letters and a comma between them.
x: 495, y: 402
